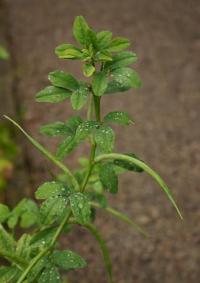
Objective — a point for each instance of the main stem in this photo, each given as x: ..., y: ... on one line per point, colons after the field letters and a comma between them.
x: 97, y: 108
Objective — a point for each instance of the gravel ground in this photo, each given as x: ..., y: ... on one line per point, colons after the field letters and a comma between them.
x: 166, y: 36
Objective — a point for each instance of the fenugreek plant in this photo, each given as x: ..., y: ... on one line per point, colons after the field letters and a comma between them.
x: 72, y: 197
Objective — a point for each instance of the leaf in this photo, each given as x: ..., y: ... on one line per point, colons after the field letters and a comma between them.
x: 103, y: 56
x: 8, y: 274
x: 108, y: 178
x: 43, y: 237
x: 4, y: 55
x: 7, y: 241
x: 114, y: 86
x: 103, y: 39
x: 129, y: 165
x: 99, y: 83
x: 36, y: 271
x: 122, y: 59
x: 52, y: 208
x: 118, y: 117
x: 50, y: 189
x: 68, y: 51
x: 4, y: 212
x: 64, y: 80
x: 105, y: 138
x: 79, y: 97
x: 55, y: 129
x: 85, y: 129
x: 126, y: 77
x: 65, y: 147
x: 53, y: 94
x: 80, y: 207
x: 147, y: 169
x: 23, y: 248
x: 50, y: 275
x: 73, y: 123
x: 26, y: 211
x: 68, y: 260
x: 80, y: 29
x: 118, y: 44
x: 88, y: 70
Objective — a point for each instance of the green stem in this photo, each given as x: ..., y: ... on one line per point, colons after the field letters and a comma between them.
x: 47, y: 250
x: 45, y: 152
x: 146, y: 168
x: 122, y: 217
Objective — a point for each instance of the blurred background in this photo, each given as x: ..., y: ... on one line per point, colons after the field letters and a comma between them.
x: 165, y: 34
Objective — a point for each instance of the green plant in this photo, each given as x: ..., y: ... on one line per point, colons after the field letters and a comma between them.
x: 71, y: 199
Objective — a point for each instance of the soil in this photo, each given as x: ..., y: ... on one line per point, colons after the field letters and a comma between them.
x: 166, y: 36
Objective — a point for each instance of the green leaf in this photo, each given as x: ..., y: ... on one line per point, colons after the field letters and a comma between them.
x: 8, y: 274
x: 26, y: 211
x: 36, y: 271
x: 118, y: 117
x: 108, y: 178
x: 126, y: 77
x: 79, y: 97
x: 63, y: 80
x: 52, y: 209
x: 85, y: 129
x: 7, y: 241
x: 146, y: 168
x: 103, y: 39
x: 4, y: 55
x: 68, y: 260
x: 73, y: 123
x: 23, y: 248
x: 43, y: 237
x: 118, y: 44
x: 80, y: 207
x: 53, y: 94
x: 114, y: 86
x: 88, y: 70
x: 4, y: 212
x: 122, y: 59
x: 68, y: 51
x: 50, y: 275
x: 80, y: 30
x: 105, y: 138
x: 49, y: 189
x: 99, y: 83
x: 129, y: 165
x: 65, y: 147
x: 55, y: 129
x: 103, y: 56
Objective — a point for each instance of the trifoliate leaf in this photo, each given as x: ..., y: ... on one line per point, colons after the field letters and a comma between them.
x: 68, y: 260
x: 63, y: 80
x: 88, y: 70
x: 68, y: 51
x: 129, y: 165
x: 80, y: 29
x: 80, y: 207
x: 50, y: 189
x: 99, y: 83
x: 118, y: 44
x: 118, y: 117
x: 53, y: 94
x: 105, y: 138
x: 108, y: 178
x: 4, y: 212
